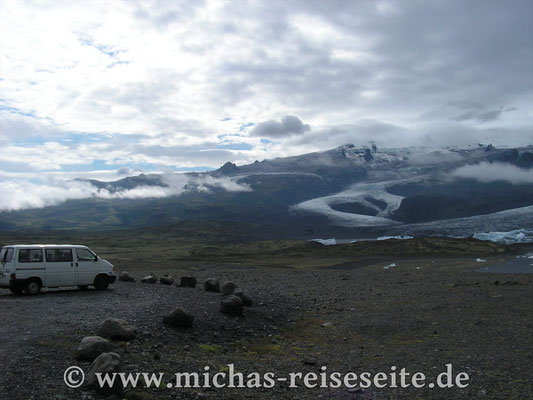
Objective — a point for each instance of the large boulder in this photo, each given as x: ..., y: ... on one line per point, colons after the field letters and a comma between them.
x: 149, y: 279
x: 105, y: 363
x: 188, y: 281
x: 228, y: 288
x: 231, y: 305
x: 246, y: 299
x: 178, y: 319
x: 125, y: 277
x: 212, y: 285
x: 118, y: 329
x: 91, y: 347
x: 166, y: 280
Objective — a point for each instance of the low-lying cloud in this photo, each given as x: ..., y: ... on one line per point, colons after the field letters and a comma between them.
x: 289, y: 125
x: 25, y: 195
x: 491, y: 172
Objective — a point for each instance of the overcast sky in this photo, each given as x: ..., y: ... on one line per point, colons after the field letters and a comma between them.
x: 110, y: 88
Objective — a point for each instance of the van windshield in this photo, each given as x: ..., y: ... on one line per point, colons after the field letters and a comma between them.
x: 6, y: 255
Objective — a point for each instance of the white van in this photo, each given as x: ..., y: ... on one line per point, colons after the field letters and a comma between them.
x: 29, y: 267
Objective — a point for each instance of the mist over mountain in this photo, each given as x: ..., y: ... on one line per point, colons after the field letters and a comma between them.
x: 347, y: 191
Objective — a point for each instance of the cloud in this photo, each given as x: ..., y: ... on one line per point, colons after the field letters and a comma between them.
x: 24, y: 194
x: 360, y: 133
x: 289, y: 125
x: 481, y: 115
x: 163, y: 84
x: 487, y: 172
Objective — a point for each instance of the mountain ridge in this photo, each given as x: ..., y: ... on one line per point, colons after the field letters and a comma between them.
x: 357, y: 188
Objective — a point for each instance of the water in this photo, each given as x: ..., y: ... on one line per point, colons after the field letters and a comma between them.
x: 519, y: 265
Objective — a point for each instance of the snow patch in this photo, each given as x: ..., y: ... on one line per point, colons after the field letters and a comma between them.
x: 389, y: 266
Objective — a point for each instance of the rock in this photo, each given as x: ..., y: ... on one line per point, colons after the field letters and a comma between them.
x: 118, y: 329
x: 246, y: 299
x: 188, y: 281
x: 105, y: 363
x: 166, y: 280
x: 125, y: 277
x: 368, y: 155
x: 149, y: 279
x: 228, y: 288
x: 228, y: 168
x: 231, y: 305
x: 91, y: 347
x: 178, y: 319
x: 212, y: 285
x: 309, y: 361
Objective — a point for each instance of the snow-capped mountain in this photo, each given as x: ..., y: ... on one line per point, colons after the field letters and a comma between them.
x: 348, y: 188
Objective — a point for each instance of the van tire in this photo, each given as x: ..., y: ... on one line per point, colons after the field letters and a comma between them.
x: 33, y: 286
x: 101, y: 282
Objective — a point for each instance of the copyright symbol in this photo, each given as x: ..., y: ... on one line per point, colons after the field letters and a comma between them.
x: 74, y: 377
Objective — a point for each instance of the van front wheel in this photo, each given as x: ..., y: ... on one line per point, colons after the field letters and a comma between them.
x: 101, y: 282
x: 33, y: 286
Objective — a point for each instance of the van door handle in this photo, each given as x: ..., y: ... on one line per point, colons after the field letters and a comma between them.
x: 76, y: 264
x: 71, y: 264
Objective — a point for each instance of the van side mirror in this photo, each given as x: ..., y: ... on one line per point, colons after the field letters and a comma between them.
x: 95, y: 258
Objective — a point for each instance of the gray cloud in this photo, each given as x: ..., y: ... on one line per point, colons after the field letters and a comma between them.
x: 360, y: 133
x: 289, y: 125
x: 482, y: 116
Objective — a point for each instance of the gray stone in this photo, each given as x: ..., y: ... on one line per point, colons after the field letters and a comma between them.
x: 246, y: 299
x: 105, y: 363
x: 114, y: 328
x: 149, y: 279
x: 166, y: 280
x: 228, y: 288
x: 309, y: 360
x: 188, y: 281
x: 91, y: 347
x: 178, y: 319
x: 231, y: 305
x: 212, y: 285
x: 125, y: 277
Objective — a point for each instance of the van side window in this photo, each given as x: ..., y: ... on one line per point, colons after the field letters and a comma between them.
x: 84, y: 255
x: 7, y: 255
x: 30, y: 255
x: 59, y: 255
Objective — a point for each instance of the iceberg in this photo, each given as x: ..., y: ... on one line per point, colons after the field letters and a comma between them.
x: 515, y: 236
x: 395, y: 237
x: 325, y: 242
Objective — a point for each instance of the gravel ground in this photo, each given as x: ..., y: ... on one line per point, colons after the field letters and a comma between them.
x: 420, y: 314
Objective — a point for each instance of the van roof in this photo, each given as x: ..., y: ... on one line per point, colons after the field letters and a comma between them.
x: 39, y: 246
